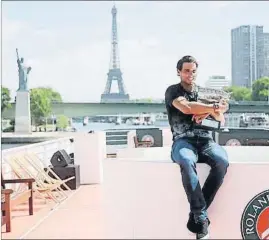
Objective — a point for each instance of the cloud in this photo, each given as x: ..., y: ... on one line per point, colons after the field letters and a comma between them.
x: 70, y: 51
x: 11, y: 31
x: 12, y: 28
x: 84, y: 69
x: 76, y: 64
x: 17, y: 34
x: 79, y: 71
x: 151, y: 42
x: 218, y: 4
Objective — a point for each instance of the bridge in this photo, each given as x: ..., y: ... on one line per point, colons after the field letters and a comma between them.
x: 93, y: 109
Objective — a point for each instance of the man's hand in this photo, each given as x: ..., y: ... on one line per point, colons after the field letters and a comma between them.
x: 219, y: 116
x: 223, y: 107
x: 198, y: 118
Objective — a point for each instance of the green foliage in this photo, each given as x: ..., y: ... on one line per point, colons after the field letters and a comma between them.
x: 239, y: 93
x: 12, y: 122
x: 62, y: 122
x: 5, y: 98
x: 52, y: 94
x: 41, y: 100
x: 8, y: 125
x: 9, y: 129
x: 260, y: 89
x: 40, y: 105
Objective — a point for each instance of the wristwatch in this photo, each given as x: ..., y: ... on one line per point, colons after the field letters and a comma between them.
x: 215, y: 106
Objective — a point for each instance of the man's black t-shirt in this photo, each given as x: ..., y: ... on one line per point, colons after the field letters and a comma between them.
x: 181, y: 124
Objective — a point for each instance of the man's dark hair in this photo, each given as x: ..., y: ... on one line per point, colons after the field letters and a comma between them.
x: 186, y: 59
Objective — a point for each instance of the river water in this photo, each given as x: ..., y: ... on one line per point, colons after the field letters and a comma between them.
x: 12, y: 145
x: 96, y: 126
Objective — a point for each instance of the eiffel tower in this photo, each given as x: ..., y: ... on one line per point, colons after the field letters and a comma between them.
x: 114, y: 73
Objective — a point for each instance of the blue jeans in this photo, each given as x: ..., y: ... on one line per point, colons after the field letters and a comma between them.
x: 187, y: 152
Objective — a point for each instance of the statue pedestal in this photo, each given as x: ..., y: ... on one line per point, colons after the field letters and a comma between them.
x: 22, y: 113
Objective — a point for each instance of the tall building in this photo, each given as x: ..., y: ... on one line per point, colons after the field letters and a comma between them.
x: 114, y: 73
x: 247, y: 54
x: 217, y: 82
x: 266, y: 54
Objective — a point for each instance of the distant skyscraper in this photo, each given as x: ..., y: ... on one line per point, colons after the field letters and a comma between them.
x: 217, y: 82
x: 247, y: 54
x: 266, y: 54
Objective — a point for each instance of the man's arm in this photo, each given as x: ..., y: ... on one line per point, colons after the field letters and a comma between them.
x: 218, y: 115
x: 197, y: 108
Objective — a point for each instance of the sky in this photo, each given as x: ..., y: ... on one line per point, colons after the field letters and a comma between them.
x: 68, y: 43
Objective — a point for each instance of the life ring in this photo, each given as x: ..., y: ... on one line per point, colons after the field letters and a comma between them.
x: 233, y: 142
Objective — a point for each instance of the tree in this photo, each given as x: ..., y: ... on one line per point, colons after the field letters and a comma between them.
x: 11, y: 127
x: 52, y: 94
x: 40, y: 105
x: 41, y: 100
x: 62, y: 122
x: 239, y: 93
x: 5, y: 101
x: 260, y: 89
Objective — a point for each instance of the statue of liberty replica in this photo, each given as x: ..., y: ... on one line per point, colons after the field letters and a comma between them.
x: 22, y: 112
x: 23, y: 73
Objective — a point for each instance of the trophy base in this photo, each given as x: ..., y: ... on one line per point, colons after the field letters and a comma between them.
x: 208, y: 124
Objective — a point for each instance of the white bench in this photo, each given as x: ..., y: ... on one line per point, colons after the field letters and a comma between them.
x: 252, y: 154
x: 155, y: 201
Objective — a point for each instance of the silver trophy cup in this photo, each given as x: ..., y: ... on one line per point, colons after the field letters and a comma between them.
x: 210, y: 96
